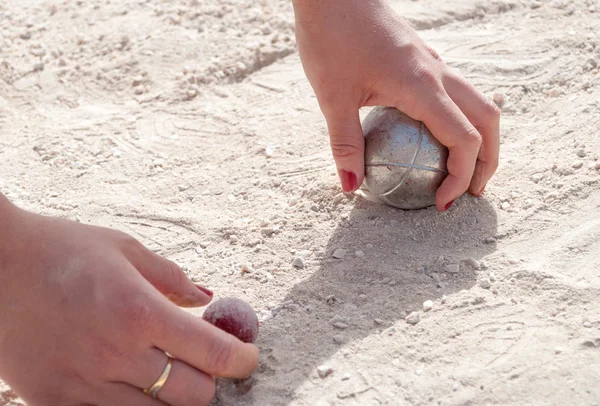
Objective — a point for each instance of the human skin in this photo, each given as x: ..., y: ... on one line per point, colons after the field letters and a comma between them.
x: 360, y: 53
x: 86, y: 313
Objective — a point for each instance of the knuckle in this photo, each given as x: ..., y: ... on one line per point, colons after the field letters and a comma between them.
x: 174, y: 273
x: 136, y: 315
x: 220, y: 354
x: 473, y: 138
x: 342, y: 148
x: 491, y: 110
x: 426, y: 76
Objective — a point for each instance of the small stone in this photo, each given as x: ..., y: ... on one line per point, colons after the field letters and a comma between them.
x: 499, y: 99
x: 427, y: 305
x: 597, y: 166
x: 38, y: 67
x: 485, y: 283
x: 581, y: 153
x: 338, y: 198
x: 359, y: 254
x: 298, y: 262
x: 587, y: 324
x: 267, y: 231
x: 473, y: 263
x: 554, y: 92
x: 340, y: 325
x: 505, y: 206
x: 233, y: 239
x: 444, y: 299
x: 324, y: 370
x: 537, y: 177
x: 490, y: 240
x: 452, y: 268
x: 346, y: 377
x: 247, y: 269
x: 191, y: 93
x: 413, y: 318
x: 339, y: 253
x: 558, y: 350
x: 338, y: 339
x: 492, y: 277
x: 330, y: 299
x: 25, y: 35
x: 293, y: 201
x: 577, y: 165
x: 379, y: 321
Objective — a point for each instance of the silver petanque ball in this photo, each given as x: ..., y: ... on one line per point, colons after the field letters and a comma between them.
x: 404, y: 163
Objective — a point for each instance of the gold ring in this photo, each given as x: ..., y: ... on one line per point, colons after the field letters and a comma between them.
x: 153, y: 390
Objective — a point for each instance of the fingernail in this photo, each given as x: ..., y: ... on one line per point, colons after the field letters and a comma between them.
x: 203, y: 289
x: 348, y: 181
x: 447, y: 206
x: 481, y: 191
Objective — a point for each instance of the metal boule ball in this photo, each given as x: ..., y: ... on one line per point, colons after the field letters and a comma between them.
x: 404, y: 163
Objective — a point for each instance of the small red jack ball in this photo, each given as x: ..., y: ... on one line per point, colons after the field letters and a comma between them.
x: 234, y: 316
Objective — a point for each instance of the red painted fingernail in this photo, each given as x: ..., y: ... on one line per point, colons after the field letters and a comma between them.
x: 348, y: 181
x: 447, y: 206
x: 203, y: 289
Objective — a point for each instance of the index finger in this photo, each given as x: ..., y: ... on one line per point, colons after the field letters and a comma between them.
x: 204, y: 346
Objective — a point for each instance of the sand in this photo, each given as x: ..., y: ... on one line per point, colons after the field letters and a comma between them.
x: 191, y: 126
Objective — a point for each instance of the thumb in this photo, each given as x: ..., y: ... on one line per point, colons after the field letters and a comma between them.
x: 348, y: 147
x: 169, y: 279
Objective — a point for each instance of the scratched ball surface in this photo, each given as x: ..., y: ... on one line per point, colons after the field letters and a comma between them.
x: 404, y: 163
x: 234, y: 316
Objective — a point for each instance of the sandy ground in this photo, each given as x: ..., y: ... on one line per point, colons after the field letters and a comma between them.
x: 190, y: 125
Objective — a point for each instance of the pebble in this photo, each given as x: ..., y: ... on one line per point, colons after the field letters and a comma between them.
x: 233, y: 239
x: 499, y: 99
x: 472, y: 262
x: 324, y: 370
x: 597, y: 166
x: 413, y: 318
x: 505, y: 206
x: 452, y: 268
x: 359, y: 254
x: 338, y: 339
x: 335, y: 319
x: 489, y: 240
x: 338, y: 198
x: 293, y: 201
x: 436, y: 279
x: 537, y: 177
x: 444, y: 299
x: 587, y: 324
x: 379, y: 321
x: 38, y: 67
x: 558, y: 350
x: 492, y: 277
x: 485, y: 283
x: 340, y: 325
x: 577, y: 164
x: 427, y: 305
x: 581, y: 153
x: 339, y: 253
x: 247, y: 269
x: 298, y: 262
x: 554, y: 93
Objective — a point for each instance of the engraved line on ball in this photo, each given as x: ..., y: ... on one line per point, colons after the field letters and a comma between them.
x: 423, y: 167
x: 410, y: 166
